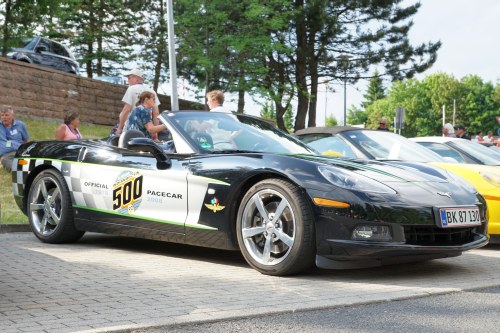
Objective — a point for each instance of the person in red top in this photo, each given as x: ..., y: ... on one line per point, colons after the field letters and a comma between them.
x: 69, y: 130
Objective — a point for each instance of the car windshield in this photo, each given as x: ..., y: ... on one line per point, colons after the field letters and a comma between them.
x: 484, y: 154
x: 217, y: 132
x: 383, y: 145
x: 28, y: 43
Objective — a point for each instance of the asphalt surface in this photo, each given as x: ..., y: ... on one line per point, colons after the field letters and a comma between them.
x: 106, y: 283
x: 465, y: 312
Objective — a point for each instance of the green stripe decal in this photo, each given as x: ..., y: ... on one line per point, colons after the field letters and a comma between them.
x: 145, y: 218
x: 354, y: 165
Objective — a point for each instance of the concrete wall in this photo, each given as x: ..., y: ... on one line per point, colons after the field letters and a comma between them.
x: 41, y: 92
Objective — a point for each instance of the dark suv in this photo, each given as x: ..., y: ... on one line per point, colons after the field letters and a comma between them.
x: 45, y: 52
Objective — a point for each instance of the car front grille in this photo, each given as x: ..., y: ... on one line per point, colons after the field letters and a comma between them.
x: 429, y: 235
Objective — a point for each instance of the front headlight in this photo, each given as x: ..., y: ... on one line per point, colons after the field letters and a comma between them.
x: 353, y: 181
x: 491, y: 178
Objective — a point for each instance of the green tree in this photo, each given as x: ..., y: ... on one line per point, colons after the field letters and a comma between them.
x: 375, y: 90
x: 104, y: 32
x: 20, y: 18
x: 340, y: 40
x: 477, y: 104
x: 331, y: 121
x: 356, y: 116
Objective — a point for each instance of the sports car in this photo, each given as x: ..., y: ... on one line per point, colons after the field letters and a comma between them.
x: 235, y: 182
x: 387, y: 146
x: 463, y: 151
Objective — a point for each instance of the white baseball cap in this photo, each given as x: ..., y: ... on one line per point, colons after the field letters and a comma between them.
x: 136, y: 72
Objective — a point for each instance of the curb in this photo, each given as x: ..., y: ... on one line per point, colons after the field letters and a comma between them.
x: 5, y: 228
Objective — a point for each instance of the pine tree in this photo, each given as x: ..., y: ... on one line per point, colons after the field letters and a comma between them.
x: 375, y: 90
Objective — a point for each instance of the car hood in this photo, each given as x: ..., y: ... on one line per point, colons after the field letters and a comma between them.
x: 385, y: 172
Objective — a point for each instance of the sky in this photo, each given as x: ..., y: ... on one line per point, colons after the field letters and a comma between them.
x: 469, y: 31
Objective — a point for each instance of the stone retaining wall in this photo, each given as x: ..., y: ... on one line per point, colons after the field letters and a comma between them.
x: 41, y: 92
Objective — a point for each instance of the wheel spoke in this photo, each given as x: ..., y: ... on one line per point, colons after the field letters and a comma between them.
x: 279, y: 210
x: 43, y: 188
x: 250, y: 232
x: 55, y: 219
x: 36, y: 206
x: 43, y: 224
x: 260, y: 207
x: 266, y: 253
x: 56, y: 194
x: 285, y: 238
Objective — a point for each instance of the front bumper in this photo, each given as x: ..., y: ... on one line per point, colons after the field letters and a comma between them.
x: 347, y: 254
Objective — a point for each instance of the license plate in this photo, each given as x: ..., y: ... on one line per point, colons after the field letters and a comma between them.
x: 459, y: 217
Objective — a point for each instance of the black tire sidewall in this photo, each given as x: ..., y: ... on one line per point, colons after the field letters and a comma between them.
x: 65, y: 231
x: 301, y: 255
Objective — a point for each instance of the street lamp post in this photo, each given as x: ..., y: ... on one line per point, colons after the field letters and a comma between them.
x: 344, y: 58
x: 345, y: 98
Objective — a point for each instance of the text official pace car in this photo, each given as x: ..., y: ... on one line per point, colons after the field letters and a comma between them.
x: 235, y: 182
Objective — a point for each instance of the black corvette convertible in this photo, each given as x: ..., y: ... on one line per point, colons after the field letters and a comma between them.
x: 235, y: 182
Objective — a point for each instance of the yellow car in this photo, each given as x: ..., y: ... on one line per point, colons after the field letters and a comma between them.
x: 363, y: 143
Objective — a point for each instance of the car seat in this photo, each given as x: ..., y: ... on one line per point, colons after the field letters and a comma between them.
x: 127, y: 135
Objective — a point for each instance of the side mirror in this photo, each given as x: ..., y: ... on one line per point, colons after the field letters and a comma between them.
x: 148, y: 145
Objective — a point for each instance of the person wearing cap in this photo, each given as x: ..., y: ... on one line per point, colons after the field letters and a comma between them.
x: 13, y: 134
x: 460, y: 132
x: 136, y: 86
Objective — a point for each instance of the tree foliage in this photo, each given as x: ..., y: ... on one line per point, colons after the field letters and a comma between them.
x: 424, y: 101
x: 277, y: 50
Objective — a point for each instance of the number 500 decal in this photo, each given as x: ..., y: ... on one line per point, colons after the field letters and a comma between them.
x: 127, y: 192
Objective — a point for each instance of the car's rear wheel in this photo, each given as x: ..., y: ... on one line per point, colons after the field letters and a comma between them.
x: 275, y: 228
x: 49, y: 209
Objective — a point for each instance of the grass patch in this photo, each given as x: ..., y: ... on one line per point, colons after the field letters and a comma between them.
x: 38, y: 129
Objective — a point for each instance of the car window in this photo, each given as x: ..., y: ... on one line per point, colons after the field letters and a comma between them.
x: 443, y: 150
x: 59, y: 49
x: 325, y: 143
x: 383, y: 145
x: 481, y: 153
x: 222, y: 132
x: 45, y: 43
x: 29, y: 43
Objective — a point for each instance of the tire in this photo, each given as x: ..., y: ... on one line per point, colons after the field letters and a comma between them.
x: 276, y: 245
x: 49, y: 209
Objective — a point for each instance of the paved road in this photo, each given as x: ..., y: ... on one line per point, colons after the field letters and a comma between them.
x: 105, y: 283
x: 465, y: 312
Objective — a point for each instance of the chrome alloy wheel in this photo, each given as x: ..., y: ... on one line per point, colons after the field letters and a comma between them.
x: 268, y: 227
x: 45, y: 205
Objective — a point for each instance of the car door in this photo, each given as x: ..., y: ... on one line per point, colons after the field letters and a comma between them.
x: 124, y: 188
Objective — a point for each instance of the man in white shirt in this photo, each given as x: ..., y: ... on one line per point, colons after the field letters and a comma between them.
x: 136, y: 87
x: 489, y: 137
x: 215, y: 99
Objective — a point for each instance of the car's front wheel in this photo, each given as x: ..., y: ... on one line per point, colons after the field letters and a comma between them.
x: 275, y: 228
x: 49, y: 209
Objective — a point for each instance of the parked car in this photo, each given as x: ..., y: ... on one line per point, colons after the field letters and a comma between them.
x: 386, y: 146
x: 112, y: 79
x: 45, y: 52
x: 236, y: 182
x: 462, y: 151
